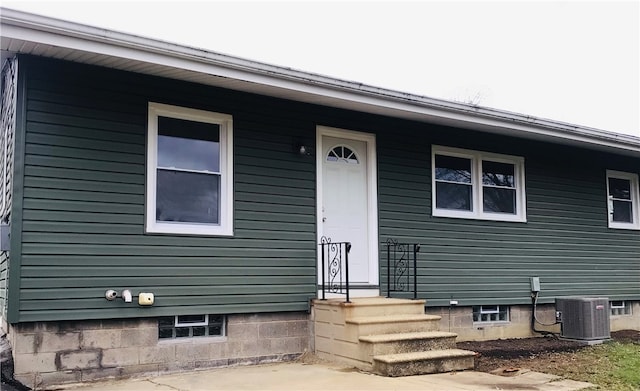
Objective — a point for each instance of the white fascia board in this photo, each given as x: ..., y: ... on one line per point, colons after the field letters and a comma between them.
x: 341, y: 93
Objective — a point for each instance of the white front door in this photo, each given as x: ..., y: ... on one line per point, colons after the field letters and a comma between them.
x: 347, y: 207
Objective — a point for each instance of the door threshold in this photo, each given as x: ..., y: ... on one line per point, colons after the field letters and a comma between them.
x: 355, y: 292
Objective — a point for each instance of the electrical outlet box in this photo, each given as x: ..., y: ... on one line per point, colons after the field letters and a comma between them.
x: 145, y: 298
x: 535, y: 284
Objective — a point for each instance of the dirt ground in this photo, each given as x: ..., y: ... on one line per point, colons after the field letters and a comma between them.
x: 542, y: 354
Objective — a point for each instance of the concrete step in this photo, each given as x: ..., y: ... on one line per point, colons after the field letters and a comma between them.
x: 420, y: 363
x: 369, y: 325
x: 381, y: 344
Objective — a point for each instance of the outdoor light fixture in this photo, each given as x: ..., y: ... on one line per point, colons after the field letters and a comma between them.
x: 302, y: 149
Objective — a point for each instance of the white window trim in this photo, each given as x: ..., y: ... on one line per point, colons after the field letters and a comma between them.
x: 476, y: 158
x: 635, y: 200
x: 187, y: 324
x: 225, y: 121
x: 617, y: 306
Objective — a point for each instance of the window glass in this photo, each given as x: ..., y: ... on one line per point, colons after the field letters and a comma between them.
x: 453, y: 169
x: 498, y: 174
x: 168, y: 321
x: 165, y: 332
x: 342, y: 154
x: 620, y: 188
x: 194, y: 130
x: 188, y: 145
x: 622, y: 211
x: 216, y: 319
x: 497, y: 200
x: 186, y: 154
x: 623, y: 200
x: 191, y: 319
x: 620, y: 192
x: 453, y: 196
x: 453, y: 183
x: 187, y: 197
x: 498, y: 193
x: 166, y: 326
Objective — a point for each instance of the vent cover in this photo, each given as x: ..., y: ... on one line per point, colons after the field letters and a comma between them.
x: 584, y: 317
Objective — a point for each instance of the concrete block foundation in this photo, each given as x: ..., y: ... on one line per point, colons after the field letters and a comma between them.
x: 48, y: 353
x: 459, y: 320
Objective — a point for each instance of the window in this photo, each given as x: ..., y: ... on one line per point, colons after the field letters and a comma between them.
x: 620, y: 307
x: 623, y: 205
x: 189, y: 171
x: 342, y: 154
x: 185, y: 326
x: 477, y: 185
x: 490, y: 313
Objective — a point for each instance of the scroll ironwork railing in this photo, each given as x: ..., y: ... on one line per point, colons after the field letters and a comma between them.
x: 402, y: 267
x: 335, y: 267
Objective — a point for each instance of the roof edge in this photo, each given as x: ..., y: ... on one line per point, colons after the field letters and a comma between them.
x: 447, y: 109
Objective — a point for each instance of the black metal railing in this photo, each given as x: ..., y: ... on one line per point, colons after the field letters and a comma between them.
x: 402, y: 267
x: 335, y: 267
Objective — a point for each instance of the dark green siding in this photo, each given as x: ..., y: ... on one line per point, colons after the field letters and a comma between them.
x: 84, y: 186
x: 565, y: 241
x: 83, y: 217
x: 4, y: 262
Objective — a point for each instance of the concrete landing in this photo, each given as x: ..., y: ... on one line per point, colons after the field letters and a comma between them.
x: 301, y: 376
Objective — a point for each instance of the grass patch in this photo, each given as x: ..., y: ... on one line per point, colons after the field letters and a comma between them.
x: 622, y: 366
x: 611, y: 366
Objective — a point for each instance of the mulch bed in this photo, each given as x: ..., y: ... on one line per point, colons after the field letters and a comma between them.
x: 626, y: 336
x: 518, y: 351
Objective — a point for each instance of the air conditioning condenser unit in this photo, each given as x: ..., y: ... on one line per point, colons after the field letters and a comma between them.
x: 584, y: 318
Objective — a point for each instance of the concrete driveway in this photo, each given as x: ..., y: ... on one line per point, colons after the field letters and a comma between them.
x: 323, y: 376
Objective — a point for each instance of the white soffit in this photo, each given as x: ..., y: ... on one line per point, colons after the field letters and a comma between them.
x: 43, y: 36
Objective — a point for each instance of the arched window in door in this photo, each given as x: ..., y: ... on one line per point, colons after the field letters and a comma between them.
x: 342, y: 154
